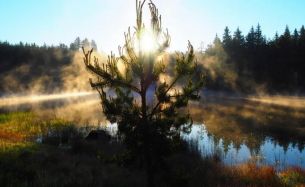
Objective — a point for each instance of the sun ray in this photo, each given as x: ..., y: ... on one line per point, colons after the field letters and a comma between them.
x: 147, y: 42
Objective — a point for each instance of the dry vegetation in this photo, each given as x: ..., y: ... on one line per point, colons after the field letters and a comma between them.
x: 100, y: 163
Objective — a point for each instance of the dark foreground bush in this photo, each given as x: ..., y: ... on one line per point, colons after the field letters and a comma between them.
x: 96, y: 163
x: 51, y: 166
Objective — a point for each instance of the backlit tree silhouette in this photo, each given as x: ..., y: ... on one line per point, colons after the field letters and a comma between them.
x: 149, y: 130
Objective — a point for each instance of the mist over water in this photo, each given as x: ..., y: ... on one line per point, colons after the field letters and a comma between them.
x: 19, y: 100
x: 269, y: 129
x: 53, y: 83
x: 81, y: 108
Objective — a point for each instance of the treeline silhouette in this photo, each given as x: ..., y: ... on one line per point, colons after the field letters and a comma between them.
x: 252, y: 63
x: 248, y: 63
x: 29, y: 68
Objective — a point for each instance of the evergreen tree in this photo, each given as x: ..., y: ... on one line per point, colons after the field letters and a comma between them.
x: 287, y: 33
x: 93, y: 45
x: 227, y: 38
x: 73, y: 47
x: 77, y: 43
x: 43, y: 63
x: 63, y: 46
x: 250, y: 39
x: 238, y: 44
x: 259, y: 39
x: 238, y: 38
x: 201, y: 47
x: 275, y: 41
x: 295, y: 37
x: 151, y: 130
x: 301, y: 43
x: 45, y: 46
x: 213, y: 50
x: 217, y: 43
x: 285, y: 41
x: 276, y: 36
x: 85, y: 43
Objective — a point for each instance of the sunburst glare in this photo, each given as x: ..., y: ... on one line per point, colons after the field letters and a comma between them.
x: 147, y: 42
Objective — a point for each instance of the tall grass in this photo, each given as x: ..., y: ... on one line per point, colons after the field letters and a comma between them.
x: 98, y: 163
x: 17, y: 127
x: 204, y: 167
x: 293, y: 176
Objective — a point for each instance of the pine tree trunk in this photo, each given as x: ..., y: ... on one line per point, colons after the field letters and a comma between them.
x: 147, y: 152
x: 149, y: 170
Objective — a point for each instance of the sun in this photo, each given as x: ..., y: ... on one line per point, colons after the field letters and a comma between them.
x: 147, y: 42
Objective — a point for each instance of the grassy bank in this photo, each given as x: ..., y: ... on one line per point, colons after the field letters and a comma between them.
x: 100, y: 163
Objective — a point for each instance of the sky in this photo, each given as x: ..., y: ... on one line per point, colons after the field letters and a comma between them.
x: 61, y: 21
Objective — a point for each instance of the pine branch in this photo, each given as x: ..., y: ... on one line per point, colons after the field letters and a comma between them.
x: 110, y: 79
x: 187, y: 69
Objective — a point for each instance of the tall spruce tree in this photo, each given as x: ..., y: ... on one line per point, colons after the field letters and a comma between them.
x: 259, y: 39
x: 238, y: 43
x: 250, y: 39
x: 301, y: 41
x: 285, y: 42
x: 238, y: 38
x: 295, y: 38
x: 93, y: 45
x: 85, y: 43
x: 275, y: 41
x: 77, y: 43
x: 150, y: 130
x: 227, y: 38
x: 73, y: 47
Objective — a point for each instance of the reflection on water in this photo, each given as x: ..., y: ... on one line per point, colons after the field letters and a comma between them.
x: 269, y: 151
x: 265, y: 128
x: 269, y: 129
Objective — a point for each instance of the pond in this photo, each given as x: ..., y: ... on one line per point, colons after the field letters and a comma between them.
x: 269, y: 129
x: 239, y: 128
x: 268, y: 152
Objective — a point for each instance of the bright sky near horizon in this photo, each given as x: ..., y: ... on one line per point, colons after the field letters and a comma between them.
x: 105, y: 21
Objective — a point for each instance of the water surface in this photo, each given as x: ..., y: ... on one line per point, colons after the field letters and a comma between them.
x: 270, y: 129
